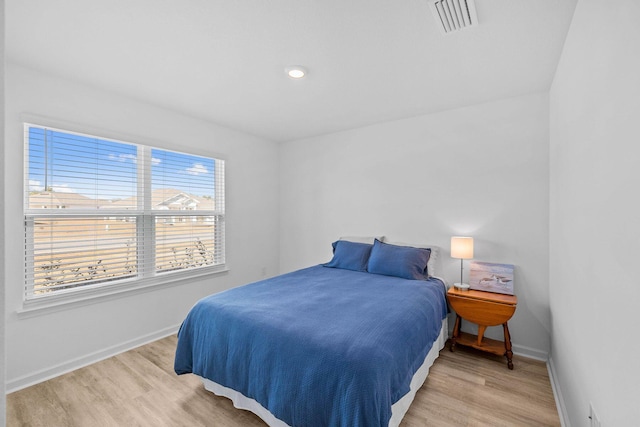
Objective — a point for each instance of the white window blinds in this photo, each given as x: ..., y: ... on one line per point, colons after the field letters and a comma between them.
x: 99, y: 212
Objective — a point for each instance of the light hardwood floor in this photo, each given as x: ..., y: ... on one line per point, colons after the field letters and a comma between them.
x: 139, y: 388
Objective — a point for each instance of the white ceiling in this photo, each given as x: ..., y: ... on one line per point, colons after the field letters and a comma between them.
x: 368, y: 60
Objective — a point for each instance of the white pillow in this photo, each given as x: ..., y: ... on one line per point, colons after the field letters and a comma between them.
x: 361, y: 239
x: 432, y: 265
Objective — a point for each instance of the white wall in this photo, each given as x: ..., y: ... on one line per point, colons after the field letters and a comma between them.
x: 2, y: 279
x: 595, y: 214
x: 51, y: 342
x: 480, y: 171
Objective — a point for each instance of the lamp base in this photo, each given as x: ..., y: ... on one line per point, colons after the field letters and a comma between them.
x: 462, y: 286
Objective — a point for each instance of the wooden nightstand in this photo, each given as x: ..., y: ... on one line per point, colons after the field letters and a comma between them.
x: 484, y: 309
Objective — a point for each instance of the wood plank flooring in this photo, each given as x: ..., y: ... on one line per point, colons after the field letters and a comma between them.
x: 139, y: 388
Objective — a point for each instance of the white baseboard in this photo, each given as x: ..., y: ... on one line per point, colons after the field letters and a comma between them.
x: 77, y: 363
x: 557, y: 394
x: 531, y: 353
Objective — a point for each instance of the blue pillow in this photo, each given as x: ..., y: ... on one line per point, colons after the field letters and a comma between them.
x: 350, y: 255
x: 399, y: 261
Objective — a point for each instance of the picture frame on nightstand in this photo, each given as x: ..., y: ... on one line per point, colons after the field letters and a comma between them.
x: 491, y: 277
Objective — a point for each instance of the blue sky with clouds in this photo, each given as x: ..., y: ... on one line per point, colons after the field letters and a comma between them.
x: 104, y: 169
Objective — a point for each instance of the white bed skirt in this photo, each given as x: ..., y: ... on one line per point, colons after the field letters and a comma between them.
x: 398, y: 409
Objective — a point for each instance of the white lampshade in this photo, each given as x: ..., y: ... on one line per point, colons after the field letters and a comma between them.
x: 462, y: 247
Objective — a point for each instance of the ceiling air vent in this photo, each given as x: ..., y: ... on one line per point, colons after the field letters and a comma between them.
x: 454, y: 15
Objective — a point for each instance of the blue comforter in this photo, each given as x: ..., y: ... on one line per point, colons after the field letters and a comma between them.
x: 318, y: 346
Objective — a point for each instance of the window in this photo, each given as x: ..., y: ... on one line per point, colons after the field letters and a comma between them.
x: 100, y: 212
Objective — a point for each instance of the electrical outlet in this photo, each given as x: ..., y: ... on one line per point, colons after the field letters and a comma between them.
x: 595, y: 421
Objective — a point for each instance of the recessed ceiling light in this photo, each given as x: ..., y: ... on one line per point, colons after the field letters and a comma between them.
x: 295, y: 72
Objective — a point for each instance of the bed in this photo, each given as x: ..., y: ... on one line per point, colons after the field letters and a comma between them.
x: 347, y: 343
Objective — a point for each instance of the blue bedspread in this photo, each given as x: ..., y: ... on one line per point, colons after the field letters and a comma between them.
x: 318, y: 346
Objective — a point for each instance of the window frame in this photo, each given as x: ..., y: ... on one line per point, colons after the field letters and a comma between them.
x: 146, y: 276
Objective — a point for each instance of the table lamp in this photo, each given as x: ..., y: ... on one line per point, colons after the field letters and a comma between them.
x: 461, y: 247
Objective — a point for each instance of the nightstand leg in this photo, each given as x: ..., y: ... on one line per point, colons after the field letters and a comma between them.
x: 507, y: 345
x: 481, y: 329
x: 456, y: 333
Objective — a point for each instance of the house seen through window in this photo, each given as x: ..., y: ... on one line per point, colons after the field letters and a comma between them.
x: 100, y: 212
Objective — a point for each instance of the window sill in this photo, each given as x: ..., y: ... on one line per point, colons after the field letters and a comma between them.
x: 79, y: 298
